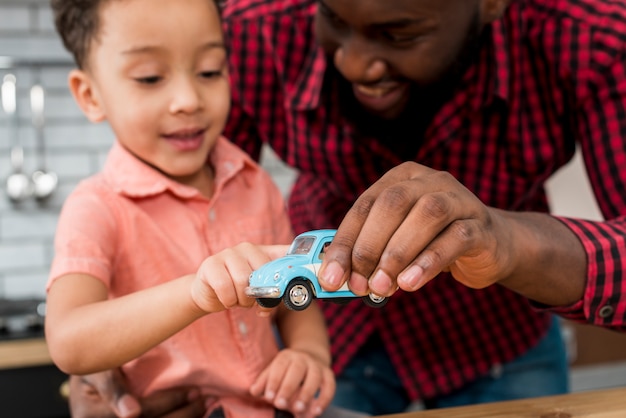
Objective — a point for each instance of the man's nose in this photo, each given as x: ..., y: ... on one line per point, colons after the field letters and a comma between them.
x: 357, y: 62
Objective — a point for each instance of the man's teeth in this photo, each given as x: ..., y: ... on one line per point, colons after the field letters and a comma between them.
x: 373, y: 91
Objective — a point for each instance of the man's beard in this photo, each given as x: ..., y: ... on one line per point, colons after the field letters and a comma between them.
x: 424, y: 100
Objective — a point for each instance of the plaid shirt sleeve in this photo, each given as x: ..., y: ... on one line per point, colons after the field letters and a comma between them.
x: 602, y: 135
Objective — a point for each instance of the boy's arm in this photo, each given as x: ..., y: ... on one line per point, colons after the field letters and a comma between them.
x: 87, y: 332
x: 81, y: 321
x: 305, y: 331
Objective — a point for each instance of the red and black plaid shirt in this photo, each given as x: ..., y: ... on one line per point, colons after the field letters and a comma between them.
x: 551, y: 74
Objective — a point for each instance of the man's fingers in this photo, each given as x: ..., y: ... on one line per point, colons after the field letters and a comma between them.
x: 427, y: 222
x: 111, y: 386
x: 362, y: 235
x: 102, y: 395
x: 181, y: 402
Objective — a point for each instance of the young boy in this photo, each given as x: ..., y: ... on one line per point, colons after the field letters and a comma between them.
x: 151, y: 265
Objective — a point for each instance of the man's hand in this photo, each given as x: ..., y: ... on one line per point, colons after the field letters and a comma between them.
x: 105, y: 395
x: 416, y: 222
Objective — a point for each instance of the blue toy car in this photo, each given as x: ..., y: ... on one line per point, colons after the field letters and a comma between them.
x: 293, y: 278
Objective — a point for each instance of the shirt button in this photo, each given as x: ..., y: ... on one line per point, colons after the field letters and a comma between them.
x: 606, y: 311
x: 243, y: 328
x: 496, y: 371
x: 212, y: 215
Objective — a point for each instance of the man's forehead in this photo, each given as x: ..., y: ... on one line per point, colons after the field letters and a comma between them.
x: 384, y: 11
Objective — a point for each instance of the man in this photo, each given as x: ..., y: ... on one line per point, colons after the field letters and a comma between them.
x: 399, y: 81
x: 492, y: 96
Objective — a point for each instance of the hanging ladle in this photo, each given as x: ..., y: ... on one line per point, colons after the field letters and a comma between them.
x: 44, y: 181
x: 19, y: 186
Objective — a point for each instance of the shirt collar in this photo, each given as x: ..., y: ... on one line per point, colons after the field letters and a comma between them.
x: 492, y: 79
x: 132, y: 177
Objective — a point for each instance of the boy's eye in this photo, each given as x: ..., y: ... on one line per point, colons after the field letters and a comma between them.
x: 148, y: 80
x: 210, y: 74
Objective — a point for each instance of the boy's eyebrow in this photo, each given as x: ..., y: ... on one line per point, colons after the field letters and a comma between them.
x: 148, y: 48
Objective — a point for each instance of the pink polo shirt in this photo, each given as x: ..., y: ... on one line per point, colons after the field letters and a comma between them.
x: 132, y: 228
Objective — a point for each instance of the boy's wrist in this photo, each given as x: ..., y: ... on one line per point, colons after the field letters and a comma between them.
x: 321, y: 355
x: 193, y: 294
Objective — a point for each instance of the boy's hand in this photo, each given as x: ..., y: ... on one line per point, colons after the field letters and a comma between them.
x: 221, y: 280
x: 296, y: 381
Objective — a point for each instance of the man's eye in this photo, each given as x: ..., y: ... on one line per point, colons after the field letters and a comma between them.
x: 330, y: 16
x: 400, y: 38
x: 148, y: 80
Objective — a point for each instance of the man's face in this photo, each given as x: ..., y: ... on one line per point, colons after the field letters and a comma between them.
x: 389, y: 48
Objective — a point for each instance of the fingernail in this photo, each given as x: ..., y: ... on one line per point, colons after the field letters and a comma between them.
x: 269, y: 395
x: 380, y: 283
x: 333, y: 274
x: 299, y: 406
x: 411, y: 278
x: 128, y: 406
x: 281, y: 403
x: 262, y: 313
x: 358, y: 284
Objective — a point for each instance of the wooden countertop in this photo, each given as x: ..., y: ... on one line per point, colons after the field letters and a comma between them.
x: 24, y: 353
x: 605, y: 403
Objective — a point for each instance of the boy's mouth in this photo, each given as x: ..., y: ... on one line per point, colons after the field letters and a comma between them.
x: 186, y: 140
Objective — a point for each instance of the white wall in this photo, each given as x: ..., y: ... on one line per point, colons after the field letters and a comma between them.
x: 569, y: 192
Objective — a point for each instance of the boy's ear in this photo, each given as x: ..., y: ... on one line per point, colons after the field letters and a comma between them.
x: 84, y: 92
x: 492, y: 10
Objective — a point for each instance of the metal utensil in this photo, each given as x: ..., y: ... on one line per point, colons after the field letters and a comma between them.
x: 44, y: 181
x: 19, y: 186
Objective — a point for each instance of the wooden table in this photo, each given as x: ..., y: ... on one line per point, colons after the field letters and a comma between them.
x: 24, y: 353
x: 605, y: 403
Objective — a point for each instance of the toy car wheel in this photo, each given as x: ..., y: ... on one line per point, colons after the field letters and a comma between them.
x: 268, y: 302
x: 298, y: 295
x: 375, y: 301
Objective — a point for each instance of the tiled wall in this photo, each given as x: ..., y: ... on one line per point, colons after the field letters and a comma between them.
x: 75, y: 148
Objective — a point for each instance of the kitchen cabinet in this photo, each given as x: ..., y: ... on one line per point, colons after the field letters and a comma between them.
x: 30, y: 384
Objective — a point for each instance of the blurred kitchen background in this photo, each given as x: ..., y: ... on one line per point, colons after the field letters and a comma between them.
x: 63, y: 147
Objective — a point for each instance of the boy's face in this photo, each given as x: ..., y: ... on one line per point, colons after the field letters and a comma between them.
x: 389, y: 49
x: 157, y: 72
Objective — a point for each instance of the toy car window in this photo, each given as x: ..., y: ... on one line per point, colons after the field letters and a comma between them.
x: 301, y: 245
x: 323, y: 250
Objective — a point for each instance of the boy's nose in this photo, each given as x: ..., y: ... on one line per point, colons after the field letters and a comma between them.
x: 186, y: 96
x: 356, y: 62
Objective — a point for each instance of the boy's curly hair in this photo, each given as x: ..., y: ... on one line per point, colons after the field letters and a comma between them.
x: 77, y: 22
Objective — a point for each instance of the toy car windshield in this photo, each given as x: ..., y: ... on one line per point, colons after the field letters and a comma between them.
x: 301, y: 245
